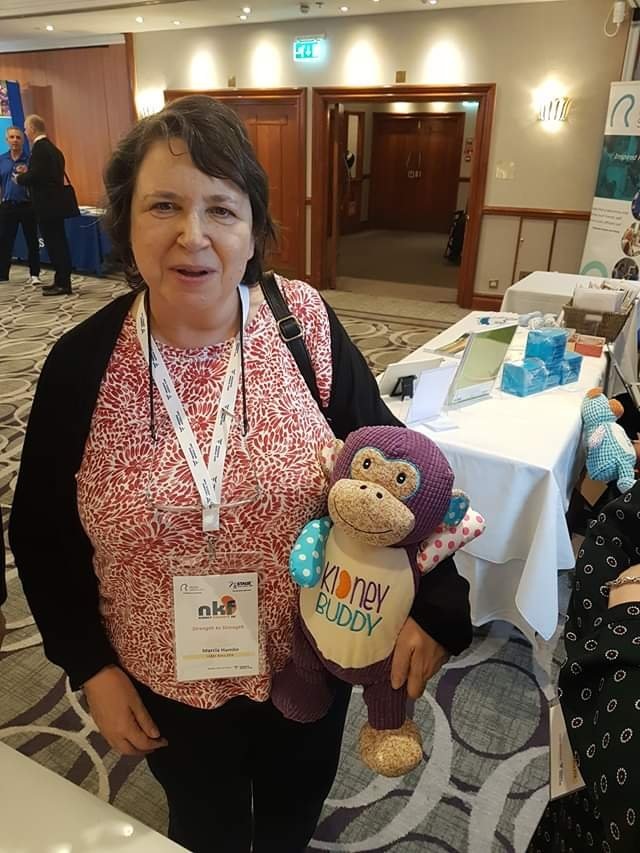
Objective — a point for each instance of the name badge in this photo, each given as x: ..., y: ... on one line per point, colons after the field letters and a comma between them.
x: 564, y: 776
x: 216, y: 626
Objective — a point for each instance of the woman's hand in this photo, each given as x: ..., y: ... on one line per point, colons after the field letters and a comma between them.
x: 417, y: 657
x: 628, y: 593
x: 118, y: 712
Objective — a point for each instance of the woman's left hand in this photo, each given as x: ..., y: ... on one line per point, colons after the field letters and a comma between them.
x: 417, y: 657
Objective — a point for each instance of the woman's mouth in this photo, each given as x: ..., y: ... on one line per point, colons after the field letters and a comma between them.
x: 193, y: 272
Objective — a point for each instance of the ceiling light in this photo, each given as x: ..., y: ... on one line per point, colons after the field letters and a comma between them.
x: 433, y: 2
x: 243, y: 17
x: 139, y: 20
x: 246, y: 10
x: 49, y: 28
x: 177, y: 23
x: 344, y: 8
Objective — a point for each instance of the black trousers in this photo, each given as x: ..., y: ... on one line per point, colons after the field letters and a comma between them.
x: 55, y: 239
x: 11, y: 216
x: 241, y: 777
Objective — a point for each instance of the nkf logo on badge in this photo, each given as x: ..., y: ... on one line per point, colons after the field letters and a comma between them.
x: 227, y: 606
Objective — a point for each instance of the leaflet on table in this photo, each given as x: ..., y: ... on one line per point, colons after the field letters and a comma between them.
x: 430, y: 392
x: 216, y: 625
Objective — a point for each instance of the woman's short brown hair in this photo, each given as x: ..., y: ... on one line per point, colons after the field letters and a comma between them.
x: 219, y: 146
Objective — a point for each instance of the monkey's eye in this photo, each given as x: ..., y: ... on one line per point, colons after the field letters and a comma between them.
x: 401, y: 478
x: 366, y: 464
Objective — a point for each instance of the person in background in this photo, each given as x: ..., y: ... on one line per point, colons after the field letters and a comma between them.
x: 44, y: 178
x: 104, y: 570
x: 599, y: 691
x: 16, y: 208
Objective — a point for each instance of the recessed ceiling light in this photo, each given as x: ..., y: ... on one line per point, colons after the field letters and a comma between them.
x: 433, y: 2
x: 344, y: 8
x: 177, y: 23
x: 246, y: 10
x: 49, y: 28
x: 139, y: 20
x: 243, y: 17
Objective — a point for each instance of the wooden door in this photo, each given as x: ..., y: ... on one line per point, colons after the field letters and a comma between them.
x: 276, y: 124
x: 394, y: 158
x: 414, y: 170
x: 273, y: 133
x: 441, y: 146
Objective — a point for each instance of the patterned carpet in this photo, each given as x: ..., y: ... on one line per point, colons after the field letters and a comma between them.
x: 482, y: 786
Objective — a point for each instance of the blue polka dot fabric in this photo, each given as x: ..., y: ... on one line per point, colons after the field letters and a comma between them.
x: 307, y: 557
x: 458, y: 505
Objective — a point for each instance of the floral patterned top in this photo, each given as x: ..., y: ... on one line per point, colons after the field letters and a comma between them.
x: 139, y: 506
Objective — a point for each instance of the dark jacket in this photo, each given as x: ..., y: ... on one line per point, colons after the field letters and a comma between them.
x: 52, y: 552
x: 45, y: 179
x: 599, y: 690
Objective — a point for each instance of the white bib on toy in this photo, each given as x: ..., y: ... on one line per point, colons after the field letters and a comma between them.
x: 363, y: 599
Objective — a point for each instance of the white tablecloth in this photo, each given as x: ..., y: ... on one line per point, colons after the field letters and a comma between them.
x: 549, y: 292
x: 518, y: 459
x: 44, y: 813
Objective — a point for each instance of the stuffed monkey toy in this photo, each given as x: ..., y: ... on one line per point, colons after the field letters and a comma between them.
x: 393, y: 515
x: 610, y: 453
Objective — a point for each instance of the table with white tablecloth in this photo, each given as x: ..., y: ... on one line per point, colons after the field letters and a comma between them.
x: 45, y: 813
x: 518, y: 459
x: 549, y: 292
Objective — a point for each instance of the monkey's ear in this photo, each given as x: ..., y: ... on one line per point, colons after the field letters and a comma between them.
x: 458, y: 506
x: 328, y: 456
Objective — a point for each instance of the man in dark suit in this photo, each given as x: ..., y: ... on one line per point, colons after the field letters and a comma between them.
x: 44, y: 178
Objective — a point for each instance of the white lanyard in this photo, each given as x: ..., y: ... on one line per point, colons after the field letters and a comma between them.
x: 208, y: 479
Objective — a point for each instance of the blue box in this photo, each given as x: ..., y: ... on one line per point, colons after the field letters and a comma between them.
x: 571, y: 368
x: 548, y: 345
x: 524, y: 377
x: 554, y: 377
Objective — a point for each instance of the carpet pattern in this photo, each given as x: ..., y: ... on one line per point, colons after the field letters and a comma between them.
x: 482, y: 786
x: 413, y: 257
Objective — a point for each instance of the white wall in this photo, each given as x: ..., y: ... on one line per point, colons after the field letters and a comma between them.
x: 517, y: 47
x: 520, y: 48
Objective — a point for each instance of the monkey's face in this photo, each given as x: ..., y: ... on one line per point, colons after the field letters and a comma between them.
x: 370, y: 505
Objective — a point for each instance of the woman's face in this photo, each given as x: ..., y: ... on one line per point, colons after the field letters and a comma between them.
x: 191, y: 234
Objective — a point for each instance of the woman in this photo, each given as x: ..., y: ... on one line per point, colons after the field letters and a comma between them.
x: 599, y: 691
x: 125, y: 515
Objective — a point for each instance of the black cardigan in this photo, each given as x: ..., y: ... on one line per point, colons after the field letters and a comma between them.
x: 52, y: 552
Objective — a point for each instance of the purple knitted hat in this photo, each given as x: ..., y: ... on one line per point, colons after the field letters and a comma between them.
x: 431, y: 501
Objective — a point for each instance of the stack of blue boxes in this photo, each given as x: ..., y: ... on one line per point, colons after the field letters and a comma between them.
x: 546, y: 364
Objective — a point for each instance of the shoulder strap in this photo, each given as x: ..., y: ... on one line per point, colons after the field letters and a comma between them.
x: 291, y: 332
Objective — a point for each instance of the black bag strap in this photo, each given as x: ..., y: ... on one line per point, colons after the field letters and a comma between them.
x: 291, y: 333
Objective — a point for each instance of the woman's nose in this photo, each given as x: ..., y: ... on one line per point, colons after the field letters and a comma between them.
x: 193, y: 233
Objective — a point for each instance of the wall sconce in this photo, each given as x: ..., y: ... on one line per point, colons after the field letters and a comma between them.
x: 555, y: 109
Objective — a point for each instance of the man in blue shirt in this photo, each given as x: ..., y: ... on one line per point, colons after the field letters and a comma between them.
x: 16, y: 208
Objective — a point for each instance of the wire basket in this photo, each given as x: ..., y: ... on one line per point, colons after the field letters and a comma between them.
x: 605, y: 325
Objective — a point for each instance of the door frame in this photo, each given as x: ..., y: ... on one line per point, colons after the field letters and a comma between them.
x: 296, y: 96
x: 323, y: 98
x: 379, y: 117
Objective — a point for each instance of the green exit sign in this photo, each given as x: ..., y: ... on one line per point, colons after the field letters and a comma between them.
x: 308, y: 49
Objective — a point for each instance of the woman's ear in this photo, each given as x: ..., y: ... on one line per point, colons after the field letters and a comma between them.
x: 328, y: 455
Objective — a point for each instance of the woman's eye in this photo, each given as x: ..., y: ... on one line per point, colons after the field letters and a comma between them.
x: 222, y: 212
x: 401, y: 478
x: 163, y: 206
x: 366, y: 464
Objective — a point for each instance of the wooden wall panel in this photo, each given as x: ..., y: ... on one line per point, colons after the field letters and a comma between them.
x: 89, y: 105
